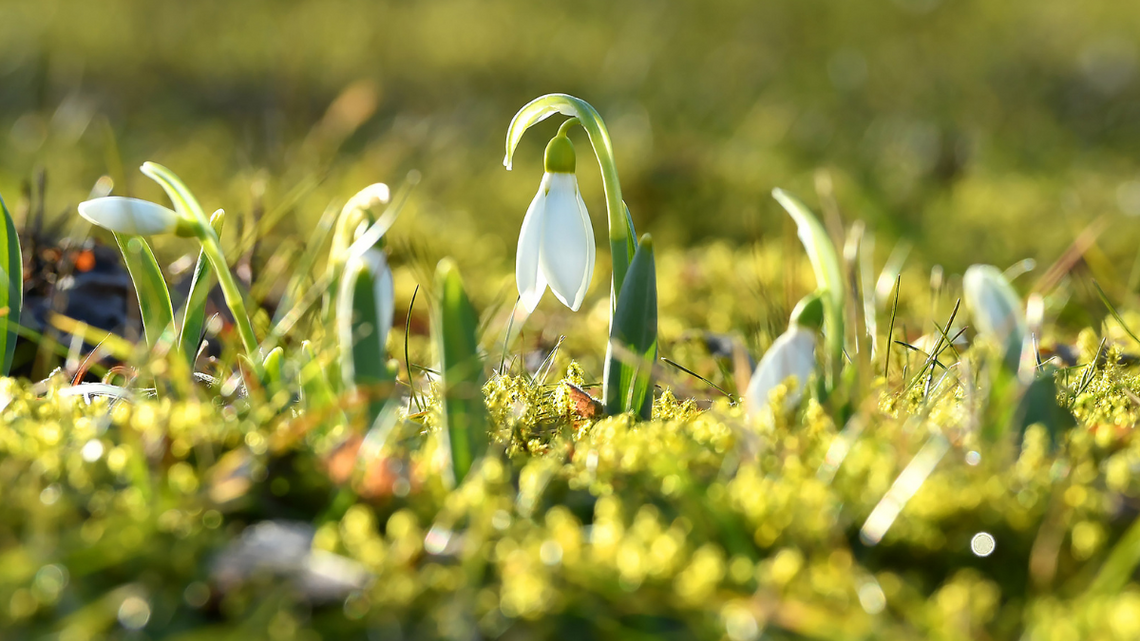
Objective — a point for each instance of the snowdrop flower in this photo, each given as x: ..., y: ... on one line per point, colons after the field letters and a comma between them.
x: 995, y: 307
x: 133, y: 216
x: 791, y: 355
x: 556, y: 243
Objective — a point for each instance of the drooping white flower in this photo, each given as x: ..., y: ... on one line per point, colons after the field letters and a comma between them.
x: 994, y: 306
x: 791, y: 355
x: 790, y: 360
x: 556, y: 243
x: 130, y: 215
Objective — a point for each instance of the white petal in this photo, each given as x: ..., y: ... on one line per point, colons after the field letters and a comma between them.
x: 591, y: 249
x: 792, y: 354
x: 566, y: 242
x: 994, y: 305
x: 129, y: 215
x: 528, y: 276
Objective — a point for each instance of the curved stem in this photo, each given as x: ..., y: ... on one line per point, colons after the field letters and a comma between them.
x: 213, y: 250
x: 622, y: 244
x: 567, y: 125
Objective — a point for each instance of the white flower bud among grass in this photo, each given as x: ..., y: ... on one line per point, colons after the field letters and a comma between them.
x: 130, y: 216
x: 790, y: 360
x: 995, y: 308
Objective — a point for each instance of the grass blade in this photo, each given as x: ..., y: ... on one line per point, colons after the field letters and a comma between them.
x: 628, y: 382
x: 11, y: 289
x: 464, y: 413
x: 194, y: 313
x: 1112, y: 310
x: 153, y: 295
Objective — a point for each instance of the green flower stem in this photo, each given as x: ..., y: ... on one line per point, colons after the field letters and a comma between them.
x: 622, y: 244
x: 212, y: 247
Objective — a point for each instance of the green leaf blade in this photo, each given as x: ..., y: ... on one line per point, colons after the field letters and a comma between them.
x: 11, y: 288
x: 632, y: 350
x: 150, y: 287
x: 454, y: 334
x: 194, y: 312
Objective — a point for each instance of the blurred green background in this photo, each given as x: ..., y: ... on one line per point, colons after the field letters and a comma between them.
x: 980, y: 130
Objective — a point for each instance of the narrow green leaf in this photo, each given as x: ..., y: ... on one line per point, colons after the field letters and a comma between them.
x: 273, y: 367
x: 828, y: 276
x: 154, y: 297
x: 632, y: 349
x: 317, y: 391
x: 454, y: 334
x: 193, y: 315
x: 303, y: 272
x: 364, y: 313
x: 11, y: 288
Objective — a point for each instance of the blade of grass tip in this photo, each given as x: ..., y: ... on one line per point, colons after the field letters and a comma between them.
x: 314, y: 384
x: 544, y: 369
x: 294, y: 315
x: 407, y: 358
x: 891, y: 330
x: 266, y: 222
x: 11, y: 288
x: 696, y: 375
x: 919, y: 351
x: 305, y: 264
x: 1090, y: 369
x: 194, y: 313
x: 891, y: 271
x: 153, y: 295
x: 1112, y: 310
x: 938, y: 348
x: 866, y: 265
x: 507, y: 337
x: 949, y: 343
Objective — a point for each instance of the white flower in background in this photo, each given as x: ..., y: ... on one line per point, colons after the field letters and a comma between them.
x: 791, y: 356
x: 556, y: 243
x: 994, y: 306
x: 130, y: 216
